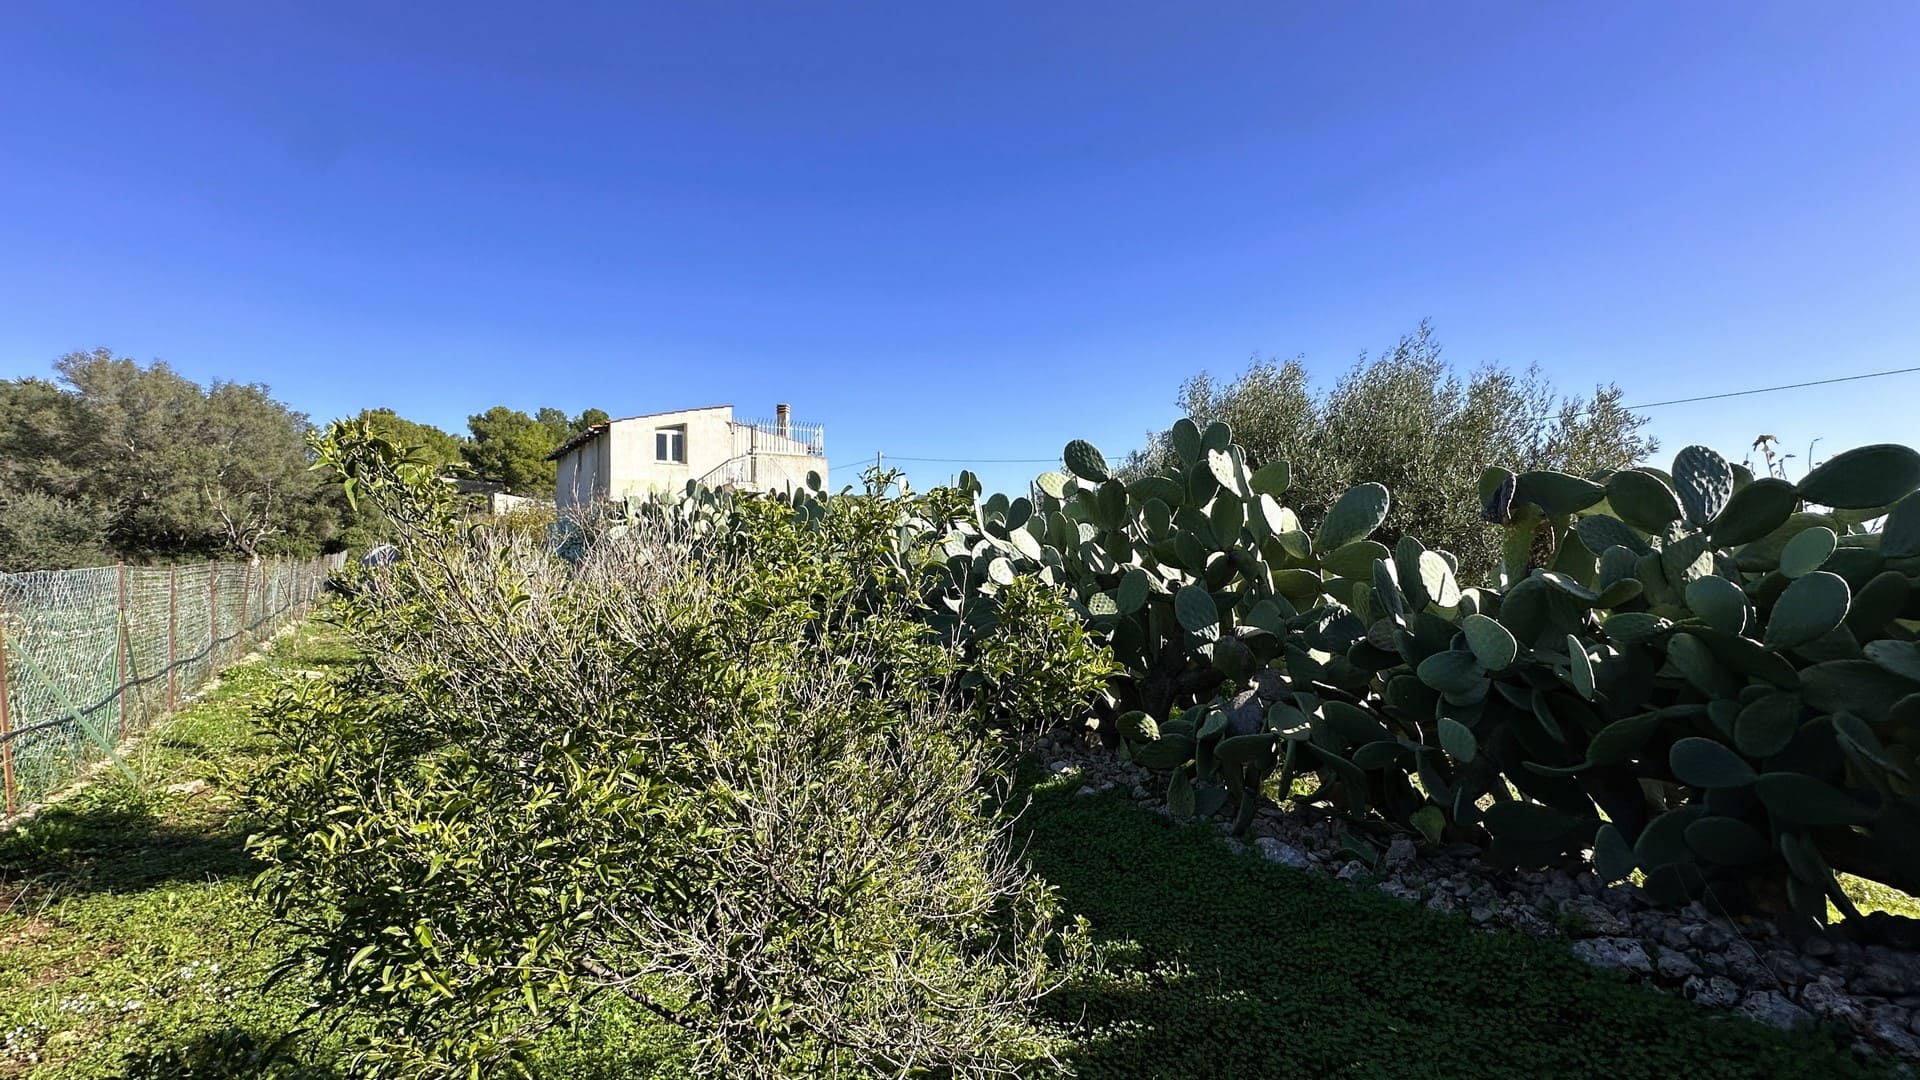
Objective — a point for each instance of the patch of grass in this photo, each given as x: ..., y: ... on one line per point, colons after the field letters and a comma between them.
x: 1871, y: 896
x: 1223, y: 965
x: 130, y: 945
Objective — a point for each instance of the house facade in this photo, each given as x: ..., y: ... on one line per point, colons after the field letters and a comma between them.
x: 660, y: 452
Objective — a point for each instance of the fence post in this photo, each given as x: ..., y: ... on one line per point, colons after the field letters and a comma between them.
x: 246, y: 593
x: 120, y: 644
x: 6, y: 726
x: 173, y: 636
x: 213, y: 617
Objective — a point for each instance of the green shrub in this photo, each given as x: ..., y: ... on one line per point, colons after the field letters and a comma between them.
x: 712, y: 773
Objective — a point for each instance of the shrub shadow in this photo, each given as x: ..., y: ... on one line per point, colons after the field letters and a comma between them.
x: 117, y: 846
x: 228, y: 1054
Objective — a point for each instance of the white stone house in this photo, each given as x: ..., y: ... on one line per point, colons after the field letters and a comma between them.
x: 660, y: 452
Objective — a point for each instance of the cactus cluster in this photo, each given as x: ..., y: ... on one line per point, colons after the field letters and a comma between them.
x: 1707, y: 678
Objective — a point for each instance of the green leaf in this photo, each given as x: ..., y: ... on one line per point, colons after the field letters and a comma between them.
x: 1704, y: 482
x: 1580, y: 669
x: 1228, y: 472
x: 1437, y: 579
x: 1643, y: 500
x: 1457, y: 739
x: 1727, y: 841
x: 1166, y: 752
x: 1622, y: 739
x: 1135, y: 587
x: 1195, y: 609
x: 1246, y: 749
x: 1148, y: 488
x: 1754, y: 511
x: 1602, y: 531
x: 1704, y: 763
x: 1180, y: 796
x: 1766, y: 725
x: 1801, y: 798
x: 1630, y: 627
x: 1054, y: 483
x: 1354, y: 516
x: 1695, y: 662
x: 1856, y: 686
x: 1808, y: 608
x: 1900, y: 657
x: 1491, y: 642
x: 1720, y: 602
x: 1137, y: 727
x: 1085, y: 461
x: 1185, y: 437
x: 1612, y: 855
x: 1557, y: 494
x: 1529, y: 834
x: 1451, y: 672
x: 1430, y: 821
x: 1806, y: 552
x: 1863, y: 478
x: 1900, y: 533
x: 1354, y: 560
x: 1273, y: 478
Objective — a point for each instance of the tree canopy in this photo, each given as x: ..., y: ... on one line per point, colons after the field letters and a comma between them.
x: 509, y: 447
x: 1406, y: 419
x: 115, y: 460
x: 120, y: 460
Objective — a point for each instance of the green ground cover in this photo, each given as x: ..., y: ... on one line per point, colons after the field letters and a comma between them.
x: 1229, y: 966
x: 129, y: 947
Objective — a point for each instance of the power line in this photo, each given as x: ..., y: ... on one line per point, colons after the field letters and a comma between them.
x: 984, y: 460
x: 1771, y: 389
x: 867, y: 461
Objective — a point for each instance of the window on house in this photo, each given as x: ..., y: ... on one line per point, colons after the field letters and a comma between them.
x: 670, y: 444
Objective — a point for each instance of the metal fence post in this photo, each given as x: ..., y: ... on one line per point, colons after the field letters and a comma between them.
x: 246, y: 592
x: 120, y: 644
x: 6, y: 726
x: 173, y: 636
x: 213, y: 617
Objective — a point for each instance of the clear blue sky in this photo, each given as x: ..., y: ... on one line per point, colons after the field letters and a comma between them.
x: 972, y: 231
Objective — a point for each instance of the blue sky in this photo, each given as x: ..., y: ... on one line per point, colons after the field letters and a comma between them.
x: 972, y: 231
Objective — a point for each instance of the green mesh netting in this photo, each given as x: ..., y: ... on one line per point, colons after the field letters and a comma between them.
x: 92, y: 656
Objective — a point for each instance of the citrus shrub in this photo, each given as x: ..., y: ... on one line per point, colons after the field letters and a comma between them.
x: 721, y: 775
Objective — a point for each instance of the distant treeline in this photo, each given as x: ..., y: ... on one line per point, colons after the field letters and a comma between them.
x: 114, y: 461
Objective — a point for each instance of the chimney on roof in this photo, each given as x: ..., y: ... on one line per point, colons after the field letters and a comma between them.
x: 782, y: 420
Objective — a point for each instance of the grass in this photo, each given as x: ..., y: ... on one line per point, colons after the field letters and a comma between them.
x: 1230, y: 966
x: 130, y: 947
x: 129, y: 936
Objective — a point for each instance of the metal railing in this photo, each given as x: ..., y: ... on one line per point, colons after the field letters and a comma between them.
x: 89, y: 657
x: 777, y: 437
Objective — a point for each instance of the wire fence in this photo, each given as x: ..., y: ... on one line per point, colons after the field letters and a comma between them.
x: 89, y: 657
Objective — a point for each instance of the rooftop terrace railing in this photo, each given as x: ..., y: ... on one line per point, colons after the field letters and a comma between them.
x: 774, y: 437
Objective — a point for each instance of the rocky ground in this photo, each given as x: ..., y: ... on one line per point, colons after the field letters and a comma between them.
x: 1863, y: 976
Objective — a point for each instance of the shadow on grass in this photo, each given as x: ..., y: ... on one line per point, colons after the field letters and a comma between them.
x: 119, y: 845
x: 227, y: 1054
x: 1229, y: 966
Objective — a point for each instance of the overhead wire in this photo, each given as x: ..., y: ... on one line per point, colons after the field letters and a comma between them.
x: 1771, y: 389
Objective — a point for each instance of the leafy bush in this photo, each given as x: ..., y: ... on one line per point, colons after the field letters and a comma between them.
x: 714, y: 773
